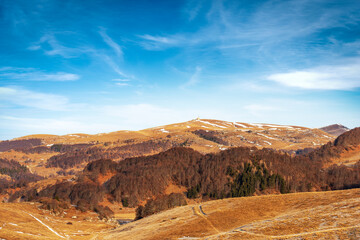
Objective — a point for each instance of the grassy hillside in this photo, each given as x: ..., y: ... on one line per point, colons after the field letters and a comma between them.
x: 313, y: 215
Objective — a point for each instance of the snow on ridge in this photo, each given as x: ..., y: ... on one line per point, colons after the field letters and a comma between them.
x: 268, y: 142
x: 256, y: 125
x: 163, y: 130
x: 213, y: 124
x: 73, y: 135
x: 266, y: 136
x: 261, y: 125
x: 228, y: 123
x: 240, y: 125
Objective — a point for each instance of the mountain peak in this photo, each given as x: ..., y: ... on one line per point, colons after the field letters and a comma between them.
x: 335, y: 129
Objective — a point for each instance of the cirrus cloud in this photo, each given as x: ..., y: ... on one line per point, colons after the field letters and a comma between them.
x: 340, y: 77
x: 26, y: 98
x: 31, y: 74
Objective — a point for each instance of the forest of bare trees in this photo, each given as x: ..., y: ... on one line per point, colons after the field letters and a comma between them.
x: 235, y: 172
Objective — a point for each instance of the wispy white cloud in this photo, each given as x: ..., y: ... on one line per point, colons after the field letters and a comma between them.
x: 115, y: 67
x: 338, y: 77
x: 151, y: 42
x: 99, y: 119
x: 60, y: 126
x: 122, y: 84
x: 142, y: 115
x: 158, y: 39
x: 31, y: 74
x: 51, y: 46
x: 121, y: 80
x: 270, y: 23
x: 109, y: 41
x: 193, y: 8
x: 26, y: 98
x: 194, y: 79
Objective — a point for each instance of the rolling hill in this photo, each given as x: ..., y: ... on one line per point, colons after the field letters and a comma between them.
x: 203, y: 164
x: 313, y: 215
x: 41, y: 152
x: 335, y: 129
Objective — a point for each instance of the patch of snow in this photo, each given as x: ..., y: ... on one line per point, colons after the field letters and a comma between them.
x: 268, y: 142
x: 213, y: 124
x: 272, y: 129
x: 19, y: 232
x: 49, y: 145
x: 261, y: 125
x: 57, y: 234
x: 229, y: 123
x: 205, y: 126
x: 14, y: 224
x: 266, y: 136
x: 240, y: 125
x: 256, y: 125
x: 163, y: 130
x: 279, y: 126
x: 74, y: 135
x: 222, y: 148
x: 209, y: 145
x: 188, y: 126
x: 326, y: 136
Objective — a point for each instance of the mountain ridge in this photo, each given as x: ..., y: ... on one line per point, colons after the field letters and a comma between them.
x: 335, y: 129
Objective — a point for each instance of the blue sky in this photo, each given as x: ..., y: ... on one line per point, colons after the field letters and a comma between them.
x: 99, y: 66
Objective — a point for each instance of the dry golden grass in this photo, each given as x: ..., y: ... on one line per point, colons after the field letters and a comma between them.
x: 237, y: 134
x: 34, y: 162
x: 316, y: 215
x: 26, y: 221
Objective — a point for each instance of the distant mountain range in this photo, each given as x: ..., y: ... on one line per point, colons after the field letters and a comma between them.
x: 159, y: 168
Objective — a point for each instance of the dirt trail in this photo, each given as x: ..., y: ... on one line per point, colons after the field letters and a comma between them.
x: 199, y: 212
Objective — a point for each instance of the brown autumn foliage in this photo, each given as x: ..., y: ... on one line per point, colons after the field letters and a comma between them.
x: 61, y: 148
x: 19, y: 174
x: 159, y: 204
x: 54, y: 205
x: 78, y: 156
x: 213, y: 136
x: 234, y: 172
x: 19, y: 144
